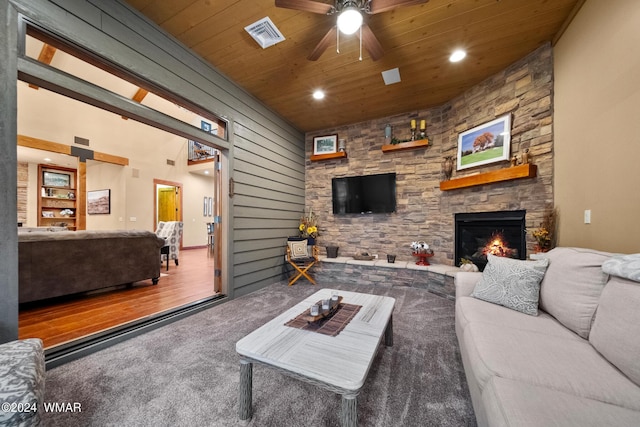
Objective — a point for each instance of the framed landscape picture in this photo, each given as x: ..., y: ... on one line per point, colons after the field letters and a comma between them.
x: 55, y: 179
x: 99, y: 202
x: 325, y: 144
x: 487, y: 143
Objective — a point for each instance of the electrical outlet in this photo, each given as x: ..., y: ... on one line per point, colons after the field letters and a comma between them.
x: 587, y: 216
x: 133, y: 219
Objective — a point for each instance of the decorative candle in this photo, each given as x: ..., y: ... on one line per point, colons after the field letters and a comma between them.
x: 413, y: 124
x: 326, y: 304
x: 387, y: 131
x: 423, y: 124
x: 334, y: 296
x: 314, y: 310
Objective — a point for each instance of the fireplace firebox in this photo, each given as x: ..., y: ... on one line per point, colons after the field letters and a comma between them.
x: 500, y: 233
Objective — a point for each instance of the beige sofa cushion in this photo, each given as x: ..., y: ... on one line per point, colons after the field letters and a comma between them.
x: 572, y: 286
x: 470, y: 310
x: 569, y: 366
x: 616, y: 329
x: 517, y: 404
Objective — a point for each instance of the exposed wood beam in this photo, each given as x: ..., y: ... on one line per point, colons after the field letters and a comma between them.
x: 56, y: 147
x: 138, y: 97
x: 46, y: 56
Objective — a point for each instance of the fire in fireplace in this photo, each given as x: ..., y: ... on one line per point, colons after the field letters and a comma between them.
x: 500, y: 233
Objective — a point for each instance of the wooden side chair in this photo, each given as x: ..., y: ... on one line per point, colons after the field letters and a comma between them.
x: 302, y: 257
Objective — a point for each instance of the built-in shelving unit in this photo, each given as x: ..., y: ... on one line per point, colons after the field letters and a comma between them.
x: 507, y: 174
x: 409, y: 145
x: 57, y: 194
x: 329, y: 156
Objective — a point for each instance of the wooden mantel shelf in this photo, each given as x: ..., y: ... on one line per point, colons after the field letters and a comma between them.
x: 338, y: 155
x: 409, y: 145
x: 507, y: 174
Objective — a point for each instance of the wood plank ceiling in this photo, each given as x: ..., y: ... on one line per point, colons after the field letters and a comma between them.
x: 416, y: 39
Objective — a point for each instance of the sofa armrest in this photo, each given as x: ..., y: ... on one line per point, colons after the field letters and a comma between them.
x: 465, y: 281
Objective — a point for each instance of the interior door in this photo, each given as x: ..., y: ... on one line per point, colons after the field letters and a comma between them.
x: 167, y: 204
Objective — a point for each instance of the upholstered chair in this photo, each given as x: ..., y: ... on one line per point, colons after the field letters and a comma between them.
x: 171, y: 232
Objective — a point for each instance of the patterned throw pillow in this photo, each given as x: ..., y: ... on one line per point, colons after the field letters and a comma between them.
x: 512, y: 283
x: 298, y: 249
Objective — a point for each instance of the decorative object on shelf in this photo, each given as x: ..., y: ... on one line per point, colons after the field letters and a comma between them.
x: 447, y: 167
x: 308, y: 227
x: 422, y: 251
x: 71, y: 195
x: 413, y: 130
x: 525, y: 157
x: 545, y: 234
x: 514, y: 161
x: 325, y: 144
x: 332, y: 251
x: 487, y: 143
x: 468, y: 265
x: 99, y: 202
x: 66, y: 212
x: 391, y: 258
x: 342, y: 145
x: 48, y: 214
x: 388, y: 132
x: 423, y: 129
x: 364, y: 256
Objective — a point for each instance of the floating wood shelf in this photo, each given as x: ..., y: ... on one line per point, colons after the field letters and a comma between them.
x: 338, y: 155
x: 409, y: 145
x: 507, y: 174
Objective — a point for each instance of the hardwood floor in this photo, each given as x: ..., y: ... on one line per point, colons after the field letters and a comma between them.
x: 63, y: 320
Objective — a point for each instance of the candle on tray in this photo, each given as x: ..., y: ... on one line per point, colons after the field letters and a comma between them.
x: 314, y: 310
x: 334, y: 296
x: 413, y: 124
x: 423, y: 124
x: 326, y: 304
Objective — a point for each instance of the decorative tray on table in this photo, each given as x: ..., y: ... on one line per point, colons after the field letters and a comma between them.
x: 324, y: 313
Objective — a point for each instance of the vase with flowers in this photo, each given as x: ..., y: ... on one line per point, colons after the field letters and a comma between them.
x: 545, y: 233
x: 308, y: 227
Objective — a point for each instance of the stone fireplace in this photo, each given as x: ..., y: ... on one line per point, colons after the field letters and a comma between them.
x: 500, y: 233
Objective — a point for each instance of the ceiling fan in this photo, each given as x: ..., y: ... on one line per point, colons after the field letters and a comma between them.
x: 349, y: 20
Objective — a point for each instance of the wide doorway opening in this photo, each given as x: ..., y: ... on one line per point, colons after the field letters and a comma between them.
x: 145, y: 174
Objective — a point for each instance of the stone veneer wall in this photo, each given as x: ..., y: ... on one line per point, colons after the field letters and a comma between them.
x: 524, y: 89
x: 23, y: 187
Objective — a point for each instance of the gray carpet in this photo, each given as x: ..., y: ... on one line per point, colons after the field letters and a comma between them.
x: 186, y: 373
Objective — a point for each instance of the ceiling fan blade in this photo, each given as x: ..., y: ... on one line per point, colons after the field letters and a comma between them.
x: 323, y: 45
x: 378, y: 6
x: 371, y: 43
x: 306, y: 6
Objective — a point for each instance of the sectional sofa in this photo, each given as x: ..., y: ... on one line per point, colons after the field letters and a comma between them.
x: 54, y: 264
x: 576, y: 362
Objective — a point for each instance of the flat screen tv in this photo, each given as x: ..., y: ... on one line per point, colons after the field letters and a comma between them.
x: 364, y: 194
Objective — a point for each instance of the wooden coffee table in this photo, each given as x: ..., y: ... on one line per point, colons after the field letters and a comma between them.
x: 339, y: 364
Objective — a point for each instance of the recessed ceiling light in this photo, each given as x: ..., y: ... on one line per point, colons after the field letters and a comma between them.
x: 318, y: 94
x: 46, y: 159
x: 206, y: 172
x: 457, y: 55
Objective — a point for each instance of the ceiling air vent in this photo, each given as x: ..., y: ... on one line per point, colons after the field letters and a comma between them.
x: 264, y: 32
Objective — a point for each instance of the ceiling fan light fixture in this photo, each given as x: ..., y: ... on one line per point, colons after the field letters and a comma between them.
x: 318, y: 94
x: 350, y: 20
